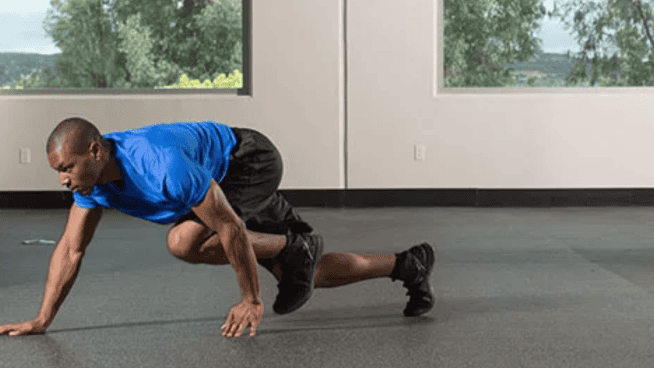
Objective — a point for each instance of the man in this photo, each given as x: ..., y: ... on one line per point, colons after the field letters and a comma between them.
x: 218, y: 186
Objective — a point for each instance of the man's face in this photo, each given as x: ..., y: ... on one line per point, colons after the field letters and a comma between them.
x: 79, y: 172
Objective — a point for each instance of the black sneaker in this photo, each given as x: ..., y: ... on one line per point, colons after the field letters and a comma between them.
x: 414, y: 266
x: 298, y: 262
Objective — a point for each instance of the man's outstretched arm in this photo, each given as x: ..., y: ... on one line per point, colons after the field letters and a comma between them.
x: 219, y: 216
x: 64, y: 267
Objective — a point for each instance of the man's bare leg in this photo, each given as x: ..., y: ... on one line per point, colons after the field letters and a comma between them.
x: 334, y: 269
x: 411, y: 266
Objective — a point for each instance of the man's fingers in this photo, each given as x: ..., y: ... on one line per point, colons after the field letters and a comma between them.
x: 253, y: 326
x: 233, y: 329
x: 230, y: 318
x: 16, y: 332
x: 226, y: 327
x: 236, y: 330
x: 241, y: 317
x: 5, y: 329
x: 228, y: 323
x: 19, y: 329
x: 239, y: 332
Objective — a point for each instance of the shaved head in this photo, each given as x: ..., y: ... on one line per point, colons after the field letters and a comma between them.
x: 75, y: 133
x: 81, y: 156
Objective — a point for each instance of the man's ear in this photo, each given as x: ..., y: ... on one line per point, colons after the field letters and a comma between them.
x: 95, y: 148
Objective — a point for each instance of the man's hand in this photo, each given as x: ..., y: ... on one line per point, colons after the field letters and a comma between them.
x: 244, y: 314
x: 23, y: 328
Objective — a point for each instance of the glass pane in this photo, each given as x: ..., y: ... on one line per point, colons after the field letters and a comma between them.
x: 548, y: 43
x: 121, y: 44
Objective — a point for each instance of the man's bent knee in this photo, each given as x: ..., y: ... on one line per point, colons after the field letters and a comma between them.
x: 185, y: 239
x: 185, y: 254
x: 183, y: 251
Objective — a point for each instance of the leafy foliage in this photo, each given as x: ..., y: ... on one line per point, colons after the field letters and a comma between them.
x: 13, y: 65
x: 140, y: 43
x: 137, y: 46
x: 484, y: 38
x: 615, y: 38
x: 545, y: 70
x: 233, y: 81
x: 82, y: 29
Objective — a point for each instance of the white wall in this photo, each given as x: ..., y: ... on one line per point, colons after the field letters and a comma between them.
x: 487, y: 140
x: 480, y: 140
x: 297, y: 102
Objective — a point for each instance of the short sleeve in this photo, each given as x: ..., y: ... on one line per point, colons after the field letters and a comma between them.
x: 185, y: 181
x: 84, y: 202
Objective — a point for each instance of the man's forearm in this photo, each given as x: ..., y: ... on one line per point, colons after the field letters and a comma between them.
x: 241, y: 256
x: 64, y: 267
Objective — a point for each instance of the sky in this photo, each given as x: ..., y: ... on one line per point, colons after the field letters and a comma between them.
x: 555, y: 38
x: 21, y: 27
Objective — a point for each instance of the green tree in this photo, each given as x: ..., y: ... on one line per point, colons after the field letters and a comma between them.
x: 222, y: 81
x: 482, y: 36
x: 136, y: 44
x: 83, y: 31
x: 615, y: 37
x: 200, y: 38
x: 46, y: 78
x: 164, y: 21
x: 140, y: 43
x: 219, y: 39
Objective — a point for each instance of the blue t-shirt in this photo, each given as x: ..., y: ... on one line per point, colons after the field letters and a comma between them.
x: 166, y: 169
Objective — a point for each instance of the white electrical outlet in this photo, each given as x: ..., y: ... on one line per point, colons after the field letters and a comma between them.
x: 420, y: 152
x: 25, y: 156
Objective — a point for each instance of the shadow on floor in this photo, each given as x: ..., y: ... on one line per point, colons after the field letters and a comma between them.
x: 385, y: 315
x: 137, y: 324
x: 382, y: 315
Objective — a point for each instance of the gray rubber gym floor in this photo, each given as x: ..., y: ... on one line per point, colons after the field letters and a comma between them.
x: 550, y: 287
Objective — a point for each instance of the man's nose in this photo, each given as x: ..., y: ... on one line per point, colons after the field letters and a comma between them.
x: 64, y: 181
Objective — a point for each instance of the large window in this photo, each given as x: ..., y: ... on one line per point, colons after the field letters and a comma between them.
x: 123, y: 45
x: 548, y: 43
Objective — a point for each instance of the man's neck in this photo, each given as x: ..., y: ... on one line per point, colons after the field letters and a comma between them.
x: 111, y: 171
x: 114, y: 172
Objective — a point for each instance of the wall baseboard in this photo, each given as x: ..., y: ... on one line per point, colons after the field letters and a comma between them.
x: 361, y: 198
x: 471, y: 197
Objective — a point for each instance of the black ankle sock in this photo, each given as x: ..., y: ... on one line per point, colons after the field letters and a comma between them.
x: 399, y: 258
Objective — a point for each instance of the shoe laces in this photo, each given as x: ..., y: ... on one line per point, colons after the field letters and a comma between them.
x: 307, y: 249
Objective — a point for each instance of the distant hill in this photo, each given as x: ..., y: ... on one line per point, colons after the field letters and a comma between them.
x: 551, y: 69
x: 12, y: 65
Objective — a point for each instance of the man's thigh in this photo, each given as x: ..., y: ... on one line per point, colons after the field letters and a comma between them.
x: 251, y: 187
x: 254, y: 173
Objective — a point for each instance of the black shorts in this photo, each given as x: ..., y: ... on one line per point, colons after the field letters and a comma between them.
x: 251, y: 183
